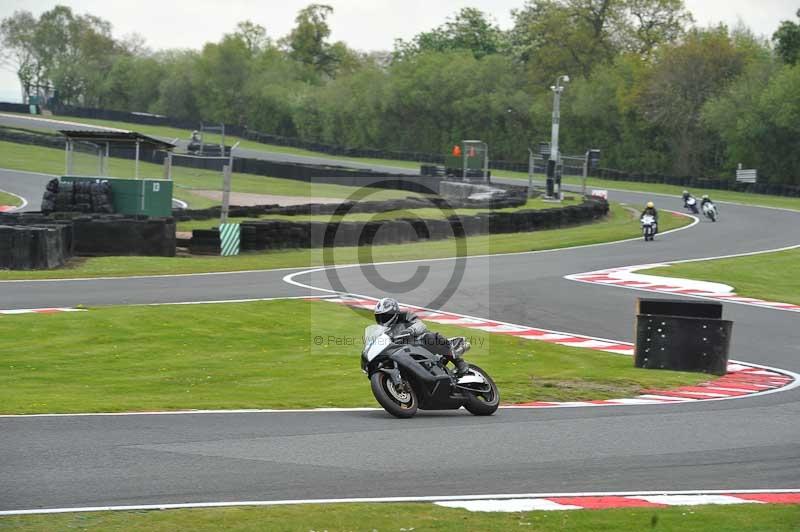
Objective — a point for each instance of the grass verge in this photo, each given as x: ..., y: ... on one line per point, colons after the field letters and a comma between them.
x: 424, y: 516
x: 425, y: 213
x: 620, y: 224
x: 51, y: 161
x: 270, y: 354
x: 8, y: 199
x: 766, y: 276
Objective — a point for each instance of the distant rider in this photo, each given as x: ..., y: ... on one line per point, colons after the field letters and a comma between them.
x: 388, y: 314
x: 686, y: 197
x: 650, y: 209
x: 194, y: 142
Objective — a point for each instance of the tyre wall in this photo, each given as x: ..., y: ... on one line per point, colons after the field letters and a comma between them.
x: 284, y: 234
x: 34, y: 247
x: 92, y: 236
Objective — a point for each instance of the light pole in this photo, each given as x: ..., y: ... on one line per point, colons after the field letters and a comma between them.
x: 554, y: 180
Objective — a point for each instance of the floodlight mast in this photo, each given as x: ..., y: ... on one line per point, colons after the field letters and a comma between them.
x: 554, y: 181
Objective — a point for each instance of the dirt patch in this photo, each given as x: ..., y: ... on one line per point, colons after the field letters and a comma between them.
x: 245, y: 199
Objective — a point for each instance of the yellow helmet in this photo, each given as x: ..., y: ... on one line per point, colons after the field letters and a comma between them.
x: 650, y: 205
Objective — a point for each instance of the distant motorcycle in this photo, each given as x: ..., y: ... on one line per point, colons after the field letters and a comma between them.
x: 691, y: 204
x: 406, y: 377
x: 710, y: 211
x: 648, y: 226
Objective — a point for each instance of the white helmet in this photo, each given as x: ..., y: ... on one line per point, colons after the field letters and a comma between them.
x: 387, y: 311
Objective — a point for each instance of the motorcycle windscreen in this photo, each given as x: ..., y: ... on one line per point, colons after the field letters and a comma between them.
x: 375, y: 341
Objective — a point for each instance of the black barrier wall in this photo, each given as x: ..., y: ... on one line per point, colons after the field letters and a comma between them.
x: 283, y: 234
x: 682, y: 336
x: 36, y: 247
x: 97, y: 235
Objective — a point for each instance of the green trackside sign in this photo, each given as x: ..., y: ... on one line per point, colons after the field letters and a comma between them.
x: 229, y: 239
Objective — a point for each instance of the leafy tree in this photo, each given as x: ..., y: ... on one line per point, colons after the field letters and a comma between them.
x: 223, y: 70
x: 787, y: 41
x: 684, y: 77
x: 307, y: 42
x: 651, y: 23
x: 17, y: 36
x: 253, y: 35
x: 469, y: 30
x: 555, y: 37
x: 178, y: 89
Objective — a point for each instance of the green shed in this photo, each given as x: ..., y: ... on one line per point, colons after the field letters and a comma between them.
x: 151, y: 196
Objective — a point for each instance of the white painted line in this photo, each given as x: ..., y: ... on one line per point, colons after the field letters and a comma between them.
x: 221, y: 301
x: 18, y: 207
x: 363, y: 500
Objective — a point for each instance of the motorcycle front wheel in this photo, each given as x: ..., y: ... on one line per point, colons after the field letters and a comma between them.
x: 482, y: 403
x: 400, y: 401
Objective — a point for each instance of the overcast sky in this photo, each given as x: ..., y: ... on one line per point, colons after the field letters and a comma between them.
x: 362, y: 24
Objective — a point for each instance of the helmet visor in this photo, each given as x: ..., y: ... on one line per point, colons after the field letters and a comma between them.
x: 384, y: 318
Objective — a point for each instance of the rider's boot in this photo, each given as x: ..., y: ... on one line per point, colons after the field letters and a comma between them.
x: 461, y: 366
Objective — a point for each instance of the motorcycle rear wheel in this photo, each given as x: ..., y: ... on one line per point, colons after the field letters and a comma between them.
x: 482, y: 404
x: 399, y: 403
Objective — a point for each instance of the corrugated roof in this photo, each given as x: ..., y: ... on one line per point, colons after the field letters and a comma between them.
x: 116, y: 137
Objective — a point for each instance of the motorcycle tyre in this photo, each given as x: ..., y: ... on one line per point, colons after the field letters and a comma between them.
x: 478, y: 407
x: 377, y: 382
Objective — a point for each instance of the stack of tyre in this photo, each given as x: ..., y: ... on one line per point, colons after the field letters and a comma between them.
x: 81, y: 196
x: 50, y: 196
x: 101, y: 197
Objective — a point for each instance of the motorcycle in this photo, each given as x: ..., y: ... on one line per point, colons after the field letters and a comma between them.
x: 648, y: 226
x: 691, y: 204
x: 710, y: 211
x: 405, y: 377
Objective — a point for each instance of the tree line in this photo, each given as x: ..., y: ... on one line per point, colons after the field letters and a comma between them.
x: 654, y: 92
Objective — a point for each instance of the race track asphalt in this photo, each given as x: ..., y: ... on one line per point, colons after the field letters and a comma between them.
x: 77, y: 461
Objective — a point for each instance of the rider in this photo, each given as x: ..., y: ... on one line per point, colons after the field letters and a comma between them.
x: 650, y: 209
x: 706, y: 199
x: 388, y: 314
x: 686, y: 197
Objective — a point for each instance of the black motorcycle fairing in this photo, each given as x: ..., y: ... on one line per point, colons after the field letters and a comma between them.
x: 433, y: 384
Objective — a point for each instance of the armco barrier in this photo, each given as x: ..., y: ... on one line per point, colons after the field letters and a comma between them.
x: 285, y: 234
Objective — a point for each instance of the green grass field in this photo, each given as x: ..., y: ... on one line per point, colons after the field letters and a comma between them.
x: 770, y: 276
x: 8, y: 199
x: 51, y: 161
x: 620, y: 224
x: 271, y: 354
x: 425, y: 213
x: 423, y: 517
